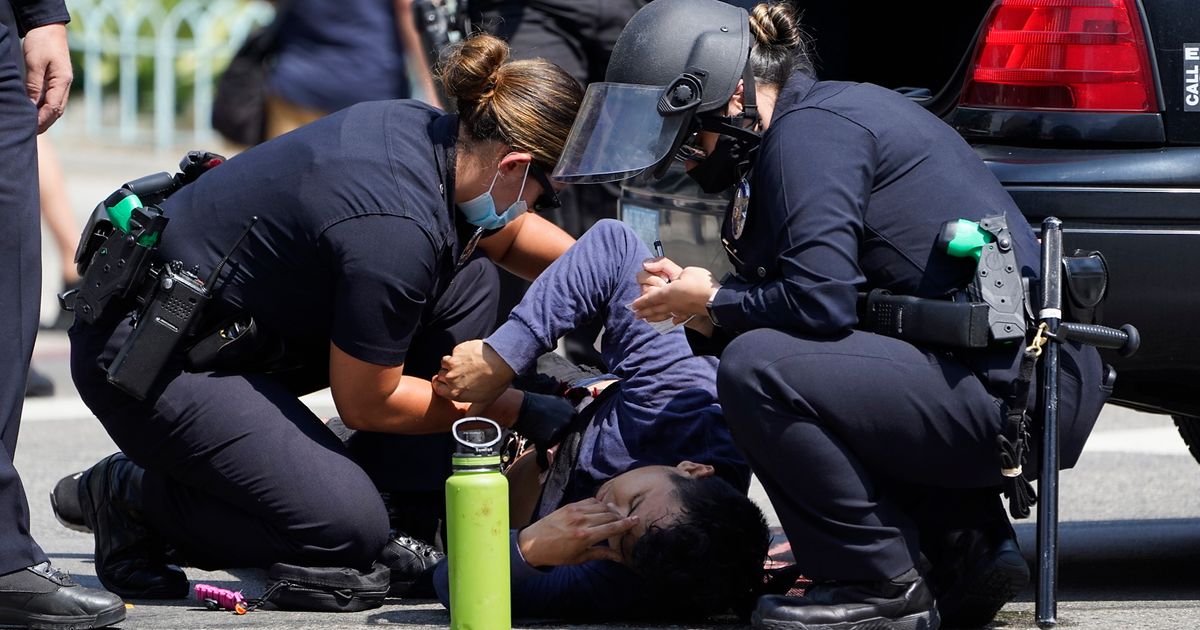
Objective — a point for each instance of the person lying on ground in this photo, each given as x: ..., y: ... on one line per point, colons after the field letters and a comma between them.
x: 624, y: 523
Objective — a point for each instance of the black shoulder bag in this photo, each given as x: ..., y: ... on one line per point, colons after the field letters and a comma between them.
x: 240, y: 105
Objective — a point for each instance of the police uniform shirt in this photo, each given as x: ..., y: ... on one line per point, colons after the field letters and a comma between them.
x: 851, y: 187
x: 30, y: 14
x: 354, y: 236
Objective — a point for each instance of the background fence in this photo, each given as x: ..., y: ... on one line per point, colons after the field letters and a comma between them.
x: 145, y: 69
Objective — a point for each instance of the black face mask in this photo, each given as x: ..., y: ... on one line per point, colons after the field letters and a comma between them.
x: 727, y: 164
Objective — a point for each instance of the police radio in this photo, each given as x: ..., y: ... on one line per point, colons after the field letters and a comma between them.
x: 177, y: 298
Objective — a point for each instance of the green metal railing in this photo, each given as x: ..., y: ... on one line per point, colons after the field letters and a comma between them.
x: 148, y: 66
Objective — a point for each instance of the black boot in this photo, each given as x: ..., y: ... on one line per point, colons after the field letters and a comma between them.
x: 975, y: 573
x: 41, y: 596
x: 129, y: 557
x: 412, y: 563
x: 901, y: 603
x: 64, y: 503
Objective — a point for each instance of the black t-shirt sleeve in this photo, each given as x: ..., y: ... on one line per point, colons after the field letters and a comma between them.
x: 383, y: 269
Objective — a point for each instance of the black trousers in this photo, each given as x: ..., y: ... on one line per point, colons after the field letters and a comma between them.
x: 840, y: 433
x: 20, y: 294
x: 240, y: 473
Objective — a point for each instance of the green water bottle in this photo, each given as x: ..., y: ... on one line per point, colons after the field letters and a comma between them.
x: 477, y: 528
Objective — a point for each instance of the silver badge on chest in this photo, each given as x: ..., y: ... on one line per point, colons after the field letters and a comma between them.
x: 740, y: 209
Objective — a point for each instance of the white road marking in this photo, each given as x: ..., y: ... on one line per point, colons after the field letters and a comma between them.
x: 1153, y: 441
x: 72, y: 408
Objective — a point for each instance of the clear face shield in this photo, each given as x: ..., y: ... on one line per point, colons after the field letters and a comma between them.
x: 624, y: 129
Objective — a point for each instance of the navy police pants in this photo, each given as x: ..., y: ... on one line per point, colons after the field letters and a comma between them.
x: 239, y: 472
x: 841, y: 431
x: 20, y: 294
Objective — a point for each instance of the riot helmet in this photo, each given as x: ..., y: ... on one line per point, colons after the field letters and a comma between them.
x: 673, y: 69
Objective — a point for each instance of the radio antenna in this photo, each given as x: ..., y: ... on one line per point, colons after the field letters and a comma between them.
x: 212, y: 278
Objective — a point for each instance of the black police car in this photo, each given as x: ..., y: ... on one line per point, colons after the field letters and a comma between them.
x: 1088, y: 110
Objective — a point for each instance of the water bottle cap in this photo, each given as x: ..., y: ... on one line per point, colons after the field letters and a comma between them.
x: 477, y: 436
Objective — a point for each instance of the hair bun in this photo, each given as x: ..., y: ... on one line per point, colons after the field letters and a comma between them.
x: 470, y: 69
x: 774, y: 25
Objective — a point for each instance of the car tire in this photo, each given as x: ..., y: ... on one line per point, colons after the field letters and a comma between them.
x: 1189, y: 429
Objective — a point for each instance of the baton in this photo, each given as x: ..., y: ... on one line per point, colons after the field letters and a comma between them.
x: 1046, y: 609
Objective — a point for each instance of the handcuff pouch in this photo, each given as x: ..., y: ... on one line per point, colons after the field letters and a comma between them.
x: 1085, y: 285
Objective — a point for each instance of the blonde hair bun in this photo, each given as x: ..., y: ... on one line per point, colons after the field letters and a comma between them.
x: 470, y: 70
x: 774, y: 26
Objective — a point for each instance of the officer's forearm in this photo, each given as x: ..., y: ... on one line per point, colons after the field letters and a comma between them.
x: 413, y: 409
x: 538, y: 243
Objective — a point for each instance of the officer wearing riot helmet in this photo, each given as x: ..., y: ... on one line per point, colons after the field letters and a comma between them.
x: 874, y: 450
x: 358, y: 269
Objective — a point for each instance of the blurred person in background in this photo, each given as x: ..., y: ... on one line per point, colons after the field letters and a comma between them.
x: 330, y: 55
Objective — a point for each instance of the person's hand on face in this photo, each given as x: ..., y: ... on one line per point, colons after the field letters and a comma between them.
x: 570, y: 534
x: 473, y: 373
x: 684, y: 297
x: 648, y: 493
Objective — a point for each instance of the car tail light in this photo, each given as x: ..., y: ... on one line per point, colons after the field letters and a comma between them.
x: 1078, y: 55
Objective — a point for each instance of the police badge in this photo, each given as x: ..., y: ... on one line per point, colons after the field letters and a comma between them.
x: 740, y: 208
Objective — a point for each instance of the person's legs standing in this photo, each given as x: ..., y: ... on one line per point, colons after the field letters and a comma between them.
x: 29, y: 588
x: 20, y: 298
x: 283, y: 116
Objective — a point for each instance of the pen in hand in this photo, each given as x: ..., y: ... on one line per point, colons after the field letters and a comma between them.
x: 658, y: 249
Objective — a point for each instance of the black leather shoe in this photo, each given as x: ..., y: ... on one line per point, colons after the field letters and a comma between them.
x: 412, y: 562
x: 129, y: 557
x: 42, y: 596
x: 977, y: 574
x: 901, y: 603
x: 64, y: 502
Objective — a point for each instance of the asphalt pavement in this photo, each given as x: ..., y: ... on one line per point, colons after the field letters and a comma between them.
x: 1129, y: 512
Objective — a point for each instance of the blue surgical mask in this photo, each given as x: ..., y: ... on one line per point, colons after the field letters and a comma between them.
x: 481, y: 211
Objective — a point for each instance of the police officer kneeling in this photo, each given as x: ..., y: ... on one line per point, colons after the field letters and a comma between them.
x: 355, y: 268
x: 874, y: 451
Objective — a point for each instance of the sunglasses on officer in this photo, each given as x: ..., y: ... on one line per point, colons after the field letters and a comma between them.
x: 548, y: 200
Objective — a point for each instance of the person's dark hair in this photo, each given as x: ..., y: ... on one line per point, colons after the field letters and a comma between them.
x: 710, y: 558
x: 528, y: 105
x: 780, y: 45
